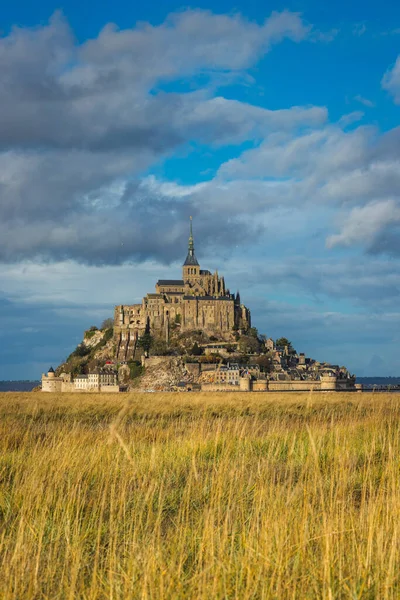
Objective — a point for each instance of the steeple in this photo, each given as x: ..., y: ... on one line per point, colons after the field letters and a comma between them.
x: 191, y: 259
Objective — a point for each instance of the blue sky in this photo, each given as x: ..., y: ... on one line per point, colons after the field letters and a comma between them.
x: 275, y: 126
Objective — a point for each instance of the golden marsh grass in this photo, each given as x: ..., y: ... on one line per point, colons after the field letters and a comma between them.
x: 203, y: 496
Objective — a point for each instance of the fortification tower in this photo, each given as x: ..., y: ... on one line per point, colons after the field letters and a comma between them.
x: 191, y: 267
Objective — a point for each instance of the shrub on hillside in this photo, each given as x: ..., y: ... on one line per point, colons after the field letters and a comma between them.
x: 81, y: 350
x: 107, y: 323
x: 135, y: 369
x: 90, y: 333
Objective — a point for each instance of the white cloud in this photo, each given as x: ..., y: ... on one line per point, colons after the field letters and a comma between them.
x: 331, y: 166
x: 317, y: 152
x: 391, y: 81
x: 364, y: 101
x: 365, y: 223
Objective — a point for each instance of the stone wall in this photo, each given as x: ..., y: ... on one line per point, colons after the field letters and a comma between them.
x: 193, y: 369
x: 260, y: 385
x: 109, y: 389
x: 155, y: 361
x: 51, y: 384
x: 219, y: 387
x: 294, y: 385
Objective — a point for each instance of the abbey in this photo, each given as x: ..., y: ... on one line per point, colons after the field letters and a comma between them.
x: 200, y: 300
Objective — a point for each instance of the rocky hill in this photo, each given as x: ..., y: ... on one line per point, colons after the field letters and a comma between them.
x: 162, y: 374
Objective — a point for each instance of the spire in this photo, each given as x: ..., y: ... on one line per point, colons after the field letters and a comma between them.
x: 191, y: 259
x: 191, y: 240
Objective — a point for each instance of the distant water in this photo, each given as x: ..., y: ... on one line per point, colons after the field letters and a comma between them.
x: 380, y: 382
x: 18, y: 386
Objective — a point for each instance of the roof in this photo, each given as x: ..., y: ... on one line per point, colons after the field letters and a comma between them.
x: 170, y: 282
x: 51, y: 370
x: 207, y: 298
x: 191, y: 260
x: 204, y: 272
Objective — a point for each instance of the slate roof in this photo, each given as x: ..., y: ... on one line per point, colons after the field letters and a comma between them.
x: 191, y: 260
x: 170, y: 282
x: 206, y: 298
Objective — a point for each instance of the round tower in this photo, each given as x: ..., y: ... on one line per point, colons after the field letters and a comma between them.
x: 244, y: 383
x: 328, y: 383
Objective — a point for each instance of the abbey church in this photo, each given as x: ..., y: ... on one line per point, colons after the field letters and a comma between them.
x: 199, y: 300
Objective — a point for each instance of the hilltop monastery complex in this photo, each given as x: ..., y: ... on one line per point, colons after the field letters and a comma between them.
x: 200, y: 301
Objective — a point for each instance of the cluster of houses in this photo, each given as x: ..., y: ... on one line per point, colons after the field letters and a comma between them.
x: 99, y: 380
x: 287, y: 371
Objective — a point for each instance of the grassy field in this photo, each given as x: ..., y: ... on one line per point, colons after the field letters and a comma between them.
x: 201, y: 496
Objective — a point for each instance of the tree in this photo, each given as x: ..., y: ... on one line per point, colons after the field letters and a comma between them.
x: 196, y: 350
x: 145, y: 342
x: 107, y: 323
x: 253, y: 332
x: 282, y: 342
x: 81, y: 350
x: 264, y: 362
x: 248, y: 344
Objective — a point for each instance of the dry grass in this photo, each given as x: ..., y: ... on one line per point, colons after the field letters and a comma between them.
x: 200, y: 496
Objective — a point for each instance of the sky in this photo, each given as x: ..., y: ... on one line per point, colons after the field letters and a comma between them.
x: 275, y: 125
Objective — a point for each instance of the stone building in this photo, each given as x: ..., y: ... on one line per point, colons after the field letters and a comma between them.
x: 200, y: 300
x: 99, y: 380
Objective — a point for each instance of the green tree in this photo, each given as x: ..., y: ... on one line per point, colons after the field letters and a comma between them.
x: 248, y: 344
x: 282, y: 342
x: 81, y: 350
x: 196, y: 350
x: 145, y: 342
